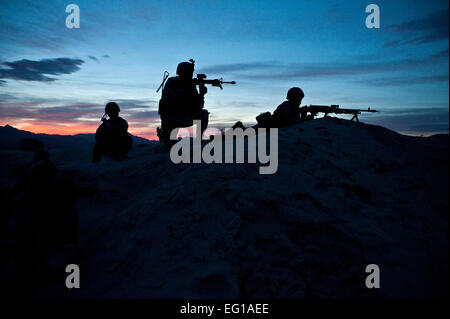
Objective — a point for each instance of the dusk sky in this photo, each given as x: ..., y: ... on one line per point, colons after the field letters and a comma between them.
x: 57, y: 80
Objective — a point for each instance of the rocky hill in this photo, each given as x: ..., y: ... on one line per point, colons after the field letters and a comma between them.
x: 345, y: 195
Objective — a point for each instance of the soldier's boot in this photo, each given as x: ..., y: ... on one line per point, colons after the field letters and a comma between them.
x: 164, y: 137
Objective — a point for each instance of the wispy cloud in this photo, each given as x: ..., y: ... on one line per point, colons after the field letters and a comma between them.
x: 407, y: 80
x: 37, y: 25
x: 29, y: 70
x: 280, y: 71
x: 73, y: 117
x: 413, y: 120
x: 93, y: 58
x: 135, y: 103
x: 227, y: 68
x: 69, y: 113
x: 144, y: 116
x: 432, y: 28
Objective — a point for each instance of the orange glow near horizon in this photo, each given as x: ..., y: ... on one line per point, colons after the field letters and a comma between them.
x: 146, y: 132
x: 72, y: 129
x: 36, y: 126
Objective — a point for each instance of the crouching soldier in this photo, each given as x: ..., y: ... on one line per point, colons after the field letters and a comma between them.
x: 112, y: 138
x: 181, y: 103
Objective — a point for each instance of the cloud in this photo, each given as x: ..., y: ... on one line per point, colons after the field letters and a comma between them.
x: 413, y: 120
x: 404, y: 81
x: 319, y: 70
x: 106, y: 56
x: 69, y: 113
x: 93, y: 58
x: 430, y: 29
x: 135, y: 103
x: 139, y: 113
x: 439, y: 55
x: 29, y: 70
x: 226, y: 68
x: 279, y: 71
x: 144, y: 116
x: 62, y: 117
x: 38, y: 25
x: 439, y: 111
x: 335, y: 13
x: 4, y: 97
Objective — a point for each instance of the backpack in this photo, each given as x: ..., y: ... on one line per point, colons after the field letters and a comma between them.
x: 264, y: 119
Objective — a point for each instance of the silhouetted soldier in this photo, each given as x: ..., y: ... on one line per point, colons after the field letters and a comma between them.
x: 35, y: 197
x: 38, y: 178
x: 46, y: 202
x: 112, y: 137
x: 44, y: 218
x: 181, y: 103
x: 287, y: 113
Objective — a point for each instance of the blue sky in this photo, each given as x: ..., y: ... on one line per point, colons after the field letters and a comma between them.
x: 57, y: 80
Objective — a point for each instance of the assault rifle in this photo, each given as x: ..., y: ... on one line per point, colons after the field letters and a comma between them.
x: 314, y: 109
x: 201, y: 81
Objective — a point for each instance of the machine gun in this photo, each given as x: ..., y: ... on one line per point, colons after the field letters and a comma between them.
x: 201, y: 81
x: 314, y: 109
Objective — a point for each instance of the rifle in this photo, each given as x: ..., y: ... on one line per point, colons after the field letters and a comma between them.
x: 201, y: 81
x: 314, y: 109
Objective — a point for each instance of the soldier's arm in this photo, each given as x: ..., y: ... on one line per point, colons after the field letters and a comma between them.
x: 199, y: 99
x: 125, y: 125
x: 99, y: 132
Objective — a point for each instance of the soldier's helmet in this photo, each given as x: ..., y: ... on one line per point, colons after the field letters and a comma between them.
x: 185, y: 69
x: 294, y: 94
x: 112, y: 108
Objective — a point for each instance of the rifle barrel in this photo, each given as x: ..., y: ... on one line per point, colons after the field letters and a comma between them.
x: 213, y: 82
x: 358, y: 110
x: 336, y: 109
